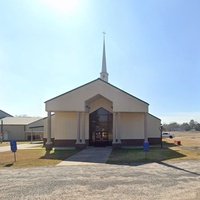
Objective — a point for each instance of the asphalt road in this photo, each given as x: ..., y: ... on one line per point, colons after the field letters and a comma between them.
x: 178, y: 181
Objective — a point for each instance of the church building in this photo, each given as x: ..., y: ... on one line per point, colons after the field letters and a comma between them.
x: 99, y: 114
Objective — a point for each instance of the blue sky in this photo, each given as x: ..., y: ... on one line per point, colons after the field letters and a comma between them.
x: 48, y: 47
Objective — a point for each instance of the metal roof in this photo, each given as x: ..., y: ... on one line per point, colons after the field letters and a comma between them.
x: 4, y: 114
x: 19, y: 120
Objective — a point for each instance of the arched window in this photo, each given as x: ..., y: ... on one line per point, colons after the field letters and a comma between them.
x: 100, y: 127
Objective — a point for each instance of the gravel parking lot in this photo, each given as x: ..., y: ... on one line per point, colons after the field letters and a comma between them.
x: 152, y: 181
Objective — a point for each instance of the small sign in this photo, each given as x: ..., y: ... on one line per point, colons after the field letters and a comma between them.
x: 146, y: 146
x: 13, y: 145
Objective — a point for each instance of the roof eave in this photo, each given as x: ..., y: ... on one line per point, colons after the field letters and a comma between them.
x: 92, y: 82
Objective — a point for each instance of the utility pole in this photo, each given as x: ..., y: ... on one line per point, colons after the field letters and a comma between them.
x: 1, y: 131
x: 161, y: 129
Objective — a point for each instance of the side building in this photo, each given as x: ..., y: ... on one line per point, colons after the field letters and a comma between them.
x: 22, y: 128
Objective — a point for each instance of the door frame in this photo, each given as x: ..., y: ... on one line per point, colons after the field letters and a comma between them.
x: 100, y: 121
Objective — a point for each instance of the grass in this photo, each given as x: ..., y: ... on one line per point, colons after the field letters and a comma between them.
x: 4, y: 144
x: 136, y: 156
x: 34, y: 158
x: 190, y: 147
x: 189, y: 150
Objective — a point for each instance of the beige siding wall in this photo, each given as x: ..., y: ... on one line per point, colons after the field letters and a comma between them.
x: 100, y: 102
x: 65, y: 125
x: 39, y: 124
x: 84, y: 126
x: 131, y: 125
x: 87, y: 126
x: 153, y: 126
x: 75, y: 100
x: 15, y: 132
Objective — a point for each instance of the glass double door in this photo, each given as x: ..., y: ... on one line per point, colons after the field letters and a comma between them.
x: 100, y: 128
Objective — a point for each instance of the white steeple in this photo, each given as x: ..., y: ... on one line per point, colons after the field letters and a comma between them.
x: 104, y: 74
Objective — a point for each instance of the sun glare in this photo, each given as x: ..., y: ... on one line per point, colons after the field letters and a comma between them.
x: 62, y: 6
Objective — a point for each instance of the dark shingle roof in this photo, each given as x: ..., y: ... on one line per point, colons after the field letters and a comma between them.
x: 4, y: 114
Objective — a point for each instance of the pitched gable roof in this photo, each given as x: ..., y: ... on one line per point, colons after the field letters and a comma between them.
x: 76, y: 100
x: 92, y: 82
x: 19, y: 120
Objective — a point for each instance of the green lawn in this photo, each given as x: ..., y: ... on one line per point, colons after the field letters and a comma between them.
x: 135, y: 156
x: 34, y: 158
x: 169, y: 152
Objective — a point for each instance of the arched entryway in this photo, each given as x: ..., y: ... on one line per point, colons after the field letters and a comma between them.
x: 100, y: 127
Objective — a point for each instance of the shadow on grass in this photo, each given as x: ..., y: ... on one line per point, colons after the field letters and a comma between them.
x: 178, y: 168
x: 167, y: 144
x: 135, y: 157
x: 8, y: 165
x: 59, y: 154
x: 139, y: 157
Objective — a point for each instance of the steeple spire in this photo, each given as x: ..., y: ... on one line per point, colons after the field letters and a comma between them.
x: 104, y: 74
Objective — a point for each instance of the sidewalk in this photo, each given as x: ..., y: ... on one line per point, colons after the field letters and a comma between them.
x: 20, y: 146
x: 88, y: 156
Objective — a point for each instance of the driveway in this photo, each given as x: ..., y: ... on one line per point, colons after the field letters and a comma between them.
x: 163, y: 181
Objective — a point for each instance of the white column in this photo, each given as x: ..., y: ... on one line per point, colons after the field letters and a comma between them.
x: 83, y: 129
x: 78, y: 128
x: 118, y: 129
x: 145, y: 127
x: 31, y: 136
x: 114, y: 127
x: 49, y: 142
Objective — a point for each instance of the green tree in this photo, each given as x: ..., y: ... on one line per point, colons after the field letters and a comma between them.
x: 173, y: 126
x: 197, y: 127
x: 185, y: 127
x: 192, y: 124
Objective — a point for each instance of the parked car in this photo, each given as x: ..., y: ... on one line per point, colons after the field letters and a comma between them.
x: 167, y: 135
